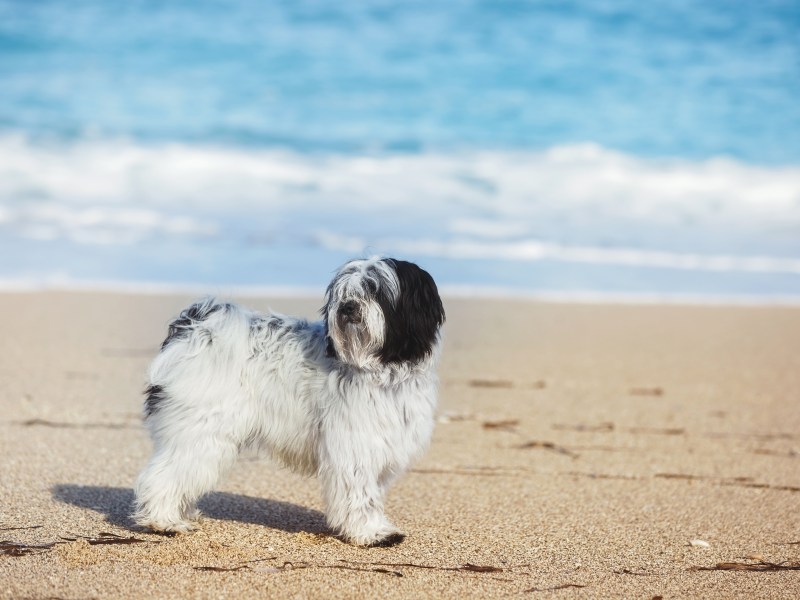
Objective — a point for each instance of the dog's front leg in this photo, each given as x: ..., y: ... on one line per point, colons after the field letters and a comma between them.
x: 354, y: 501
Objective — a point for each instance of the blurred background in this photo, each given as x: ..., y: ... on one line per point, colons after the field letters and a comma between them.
x: 574, y: 148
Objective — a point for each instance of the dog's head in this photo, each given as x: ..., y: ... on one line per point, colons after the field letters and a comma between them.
x: 380, y: 311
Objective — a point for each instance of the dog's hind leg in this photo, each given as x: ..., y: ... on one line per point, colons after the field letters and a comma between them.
x: 180, y: 472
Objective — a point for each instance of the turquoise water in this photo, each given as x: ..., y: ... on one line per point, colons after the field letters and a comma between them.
x: 676, y: 78
x: 583, y: 146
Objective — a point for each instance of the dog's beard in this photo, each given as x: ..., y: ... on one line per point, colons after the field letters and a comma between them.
x: 358, y: 343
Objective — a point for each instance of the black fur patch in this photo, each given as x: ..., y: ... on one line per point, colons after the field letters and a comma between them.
x: 388, y: 542
x: 189, y: 317
x: 330, y: 349
x: 154, y: 395
x: 413, y: 321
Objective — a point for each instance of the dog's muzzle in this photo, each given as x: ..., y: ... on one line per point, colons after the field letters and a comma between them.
x: 350, y: 312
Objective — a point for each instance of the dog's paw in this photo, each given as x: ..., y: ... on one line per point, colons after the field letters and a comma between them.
x: 174, y: 528
x: 383, y: 537
x: 192, y: 516
x: 169, y: 528
x: 393, y: 539
x: 168, y: 522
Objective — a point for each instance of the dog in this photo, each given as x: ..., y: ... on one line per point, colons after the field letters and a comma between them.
x: 349, y: 399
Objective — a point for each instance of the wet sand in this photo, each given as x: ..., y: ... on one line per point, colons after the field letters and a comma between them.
x: 581, y: 450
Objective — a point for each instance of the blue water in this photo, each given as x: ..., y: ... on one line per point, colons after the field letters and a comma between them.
x: 587, y: 127
x: 681, y: 78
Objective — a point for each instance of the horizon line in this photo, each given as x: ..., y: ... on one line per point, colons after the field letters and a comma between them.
x: 451, y: 291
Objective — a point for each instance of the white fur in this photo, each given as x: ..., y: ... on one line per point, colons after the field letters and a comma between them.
x: 239, y: 378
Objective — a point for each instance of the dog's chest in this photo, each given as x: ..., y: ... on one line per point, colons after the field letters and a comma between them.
x: 400, y: 415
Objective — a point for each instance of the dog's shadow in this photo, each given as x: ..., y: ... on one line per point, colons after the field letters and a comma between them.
x: 116, y: 504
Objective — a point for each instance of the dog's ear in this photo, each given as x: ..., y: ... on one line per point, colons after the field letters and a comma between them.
x: 414, y: 318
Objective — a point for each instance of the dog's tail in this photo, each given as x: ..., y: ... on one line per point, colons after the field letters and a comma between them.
x: 192, y: 317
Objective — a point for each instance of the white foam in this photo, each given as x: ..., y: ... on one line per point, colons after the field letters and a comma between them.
x: 561, y: 204
x: 535, y: 250
x: 64, y: 283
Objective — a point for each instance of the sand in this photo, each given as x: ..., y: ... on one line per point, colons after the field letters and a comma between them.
x: 580, y: 451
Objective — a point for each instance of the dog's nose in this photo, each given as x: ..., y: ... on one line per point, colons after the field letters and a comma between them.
x: 350, y: 311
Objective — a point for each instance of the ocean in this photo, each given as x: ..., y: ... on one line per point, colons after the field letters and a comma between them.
x: 574, y: 149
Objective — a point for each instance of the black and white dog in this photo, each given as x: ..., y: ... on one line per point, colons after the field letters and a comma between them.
x: 350, y: 398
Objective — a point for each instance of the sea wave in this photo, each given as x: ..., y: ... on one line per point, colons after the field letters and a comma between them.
x: 534, y: 250
x: 579, y: 203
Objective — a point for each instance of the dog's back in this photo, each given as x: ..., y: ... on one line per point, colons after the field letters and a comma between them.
x: 259, y: 373
x: 204, y: 334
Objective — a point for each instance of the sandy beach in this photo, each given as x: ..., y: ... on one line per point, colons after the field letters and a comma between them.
x: 581, y: 451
